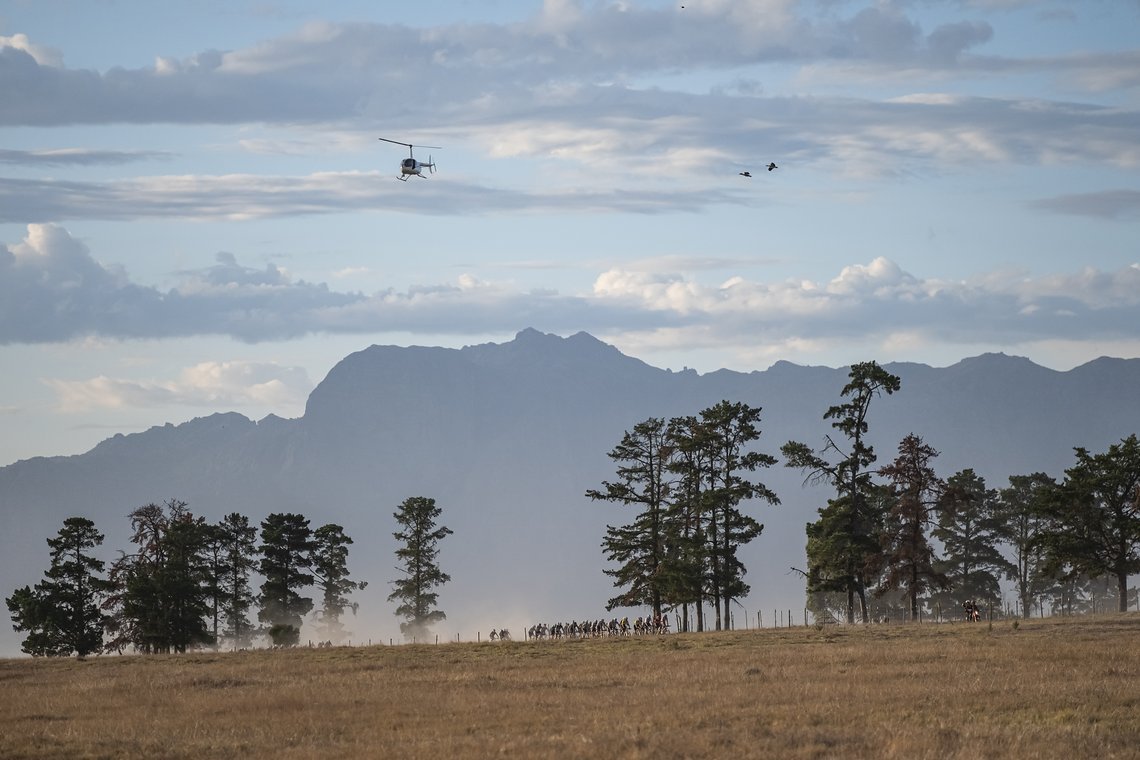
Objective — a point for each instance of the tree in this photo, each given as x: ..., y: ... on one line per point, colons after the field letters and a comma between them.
x: 1020, y: 515
x: 161, y: 591
x: 639, y: 547
x: 908, y: 555
x: 686, y: 547
x: 843, y: 542
x: 286, y: 557
x: 419, y: 538
x: 1093, y: 517
x: 61, y: 613
x: 970, y: 528
x: 238, y: 543
x: 330, y: 568
x: 730, y: 427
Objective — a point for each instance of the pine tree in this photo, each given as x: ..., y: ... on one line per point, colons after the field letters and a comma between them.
x: 1093, y: 517
x: 330, y: 568
x: 843, y: 543
x: 686, y: 548
x: 730, y: 428
x: 238, y: 543
x: 286, y: 558
x: 1019, y: 514
x: 160, y: 597
x: 909, y: 557
x: 970, y: 528
x: 639, y: 547
x: 417, y: 556
x: 61, y: 613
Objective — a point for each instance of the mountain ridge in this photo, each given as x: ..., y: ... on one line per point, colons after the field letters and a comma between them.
x: 508, y: 437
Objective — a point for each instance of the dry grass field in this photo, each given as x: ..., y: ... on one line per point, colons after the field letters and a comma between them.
x: 1053, y: 688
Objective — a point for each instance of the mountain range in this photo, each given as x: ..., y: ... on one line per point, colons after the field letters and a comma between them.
x: 508, y: 437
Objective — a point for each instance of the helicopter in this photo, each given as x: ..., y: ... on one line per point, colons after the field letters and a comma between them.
x: 410, y: 165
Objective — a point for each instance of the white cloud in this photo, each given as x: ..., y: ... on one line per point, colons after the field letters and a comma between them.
x: 207, y: 384
x: 44, y: 56
x: 51, y: 290
x: 351, y: 72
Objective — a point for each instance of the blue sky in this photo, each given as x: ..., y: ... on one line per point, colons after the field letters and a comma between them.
x: 196, y: 215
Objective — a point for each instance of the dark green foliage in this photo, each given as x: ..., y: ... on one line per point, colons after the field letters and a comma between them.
x: 286, y: 558
x: 688, y: 479
x: 161, y: 592
x: 685, y: 573
x: 284, y: 635
x: 908, y: 558
x: 639, y: 548
x: 236, y: 542
x: 971, y: 528
x: 417, y: 555
x: 1092, y: 519
x: 1019, y: 514
x: 729, y: 429
x: 61, y: 614
x: 843, y: 544
x: 330, y: 568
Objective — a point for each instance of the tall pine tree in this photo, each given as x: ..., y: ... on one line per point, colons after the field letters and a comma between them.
x: 970, y: 528
x: 286, y: 560
x: 418, y: 560
x: 61, y: 614
x: 237, y: 543
x: 1021, y: 521
x: 638, y: 548
x: 330, y: 568
x: 161, y: 591
x: 916, y: 490
x: 843, y: 543
x: 1093, y: 517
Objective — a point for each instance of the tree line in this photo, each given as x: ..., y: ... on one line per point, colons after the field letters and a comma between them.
x: 187, y: 583
x: 895, y: 538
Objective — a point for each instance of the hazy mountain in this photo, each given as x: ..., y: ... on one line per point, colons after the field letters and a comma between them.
x: 508, y: 437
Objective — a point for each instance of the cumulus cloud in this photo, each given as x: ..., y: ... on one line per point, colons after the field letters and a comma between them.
x: 207, y: 384
x: 52, y: 290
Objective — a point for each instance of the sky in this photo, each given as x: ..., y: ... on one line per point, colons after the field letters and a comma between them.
x: 197, y: 215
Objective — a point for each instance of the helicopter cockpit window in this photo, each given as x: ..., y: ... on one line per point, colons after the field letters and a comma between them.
x: 410, y: 163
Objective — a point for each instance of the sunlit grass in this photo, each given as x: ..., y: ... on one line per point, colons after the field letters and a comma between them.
x: 1053, y: 688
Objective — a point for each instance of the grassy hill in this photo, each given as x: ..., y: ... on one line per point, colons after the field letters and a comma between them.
x: 1045, y: 688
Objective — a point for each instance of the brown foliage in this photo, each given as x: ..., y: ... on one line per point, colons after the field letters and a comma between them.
x: 1053, y: 688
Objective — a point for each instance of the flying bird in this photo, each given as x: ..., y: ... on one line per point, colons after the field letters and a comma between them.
x: 746, y: 174
x: 772, y: 166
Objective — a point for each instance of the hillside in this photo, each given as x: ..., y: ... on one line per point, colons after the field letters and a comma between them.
x: 508, y: 437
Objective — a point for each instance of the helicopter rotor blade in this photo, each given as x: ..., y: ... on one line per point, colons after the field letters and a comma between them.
x: 409, y: 145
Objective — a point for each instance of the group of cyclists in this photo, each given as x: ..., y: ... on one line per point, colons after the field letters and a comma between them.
x: 641, y: 626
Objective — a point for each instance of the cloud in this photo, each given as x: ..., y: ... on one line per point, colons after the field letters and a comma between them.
x: 51, y: 290
x: 1122, y: 205
x: 43, y: 56
x: 208, y: 384
x: 77, y: 157
x: 249, y: 196
x: 460, y: 73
